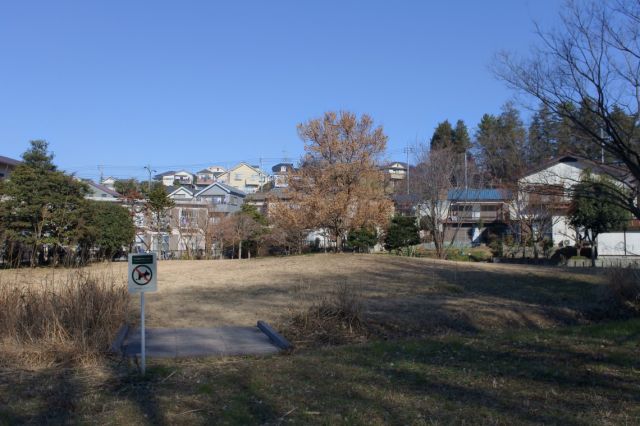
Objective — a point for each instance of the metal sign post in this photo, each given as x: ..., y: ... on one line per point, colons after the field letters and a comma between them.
x: 143, y: 277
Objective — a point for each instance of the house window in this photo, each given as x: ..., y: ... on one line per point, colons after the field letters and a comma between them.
x: 238, y: 176
x: 217, y: 199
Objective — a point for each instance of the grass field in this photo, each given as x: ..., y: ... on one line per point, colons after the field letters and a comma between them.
x: 453, y: 342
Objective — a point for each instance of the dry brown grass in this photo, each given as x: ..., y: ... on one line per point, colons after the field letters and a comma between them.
x: 623, y: 287
x: 67, y: 316
x: 400, y: 296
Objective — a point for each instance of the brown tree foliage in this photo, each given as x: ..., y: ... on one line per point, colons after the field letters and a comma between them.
x: 339, y: 186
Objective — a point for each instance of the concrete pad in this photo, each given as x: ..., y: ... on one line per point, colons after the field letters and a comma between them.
x: 195, y: 342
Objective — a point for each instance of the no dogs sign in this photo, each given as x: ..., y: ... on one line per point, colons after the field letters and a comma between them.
x: 143, y: 273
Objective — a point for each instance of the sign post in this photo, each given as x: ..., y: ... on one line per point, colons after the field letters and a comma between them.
x: 143, y: 277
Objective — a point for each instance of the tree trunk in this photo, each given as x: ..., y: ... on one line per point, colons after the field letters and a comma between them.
x: 240, y: 250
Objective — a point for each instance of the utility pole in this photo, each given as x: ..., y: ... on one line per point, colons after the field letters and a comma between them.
x: 465, y: 172
x: 148, y: 168
x: 101, y: 174
x: 150, y: 171
x: 407, y: 150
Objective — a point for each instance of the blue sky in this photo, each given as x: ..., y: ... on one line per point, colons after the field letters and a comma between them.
x: 186, y: 84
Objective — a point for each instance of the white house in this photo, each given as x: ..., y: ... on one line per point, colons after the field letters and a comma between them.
x: 547, y: 186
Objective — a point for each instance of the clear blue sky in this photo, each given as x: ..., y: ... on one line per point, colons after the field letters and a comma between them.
x: 186, y: 84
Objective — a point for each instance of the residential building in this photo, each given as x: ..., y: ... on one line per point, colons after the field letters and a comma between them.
x: 171, y: 177
x: 109, y: 182
x: 6, y: 166
x: 395, y: 176
x: 193, y: 214
x: 476, y: 214
x: 99, y: 192
x: 544, y: 192
x: 246, y: 178
x: 281, y: 173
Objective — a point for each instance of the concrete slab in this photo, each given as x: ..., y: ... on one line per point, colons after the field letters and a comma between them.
x: 196, y: 342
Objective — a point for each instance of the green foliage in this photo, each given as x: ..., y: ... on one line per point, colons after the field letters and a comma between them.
x: 41, y: 205
x: 501, y: 144
x: 253, y: 213
x: 38, y: 157
x: 446, y: 137
x: 592, y: 209
x: 402, y: 232
x: 362, y: 239
x: 129, y: 188
x: 109, y: 227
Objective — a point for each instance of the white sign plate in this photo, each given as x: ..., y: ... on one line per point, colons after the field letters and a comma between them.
x: 143, y: 273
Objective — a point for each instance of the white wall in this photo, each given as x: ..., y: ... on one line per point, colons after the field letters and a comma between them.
x: 613, y: 244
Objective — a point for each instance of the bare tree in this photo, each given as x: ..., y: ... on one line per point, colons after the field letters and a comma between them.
x: 437, y: 172
x: 592, y: 61
x: 533, y: 212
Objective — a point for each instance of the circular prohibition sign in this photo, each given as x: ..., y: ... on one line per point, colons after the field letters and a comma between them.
x: 141, y: 275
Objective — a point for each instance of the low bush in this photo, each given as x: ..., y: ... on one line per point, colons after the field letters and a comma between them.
x: 73, y: 318
x: 330, y: 320
x: 623, y: 288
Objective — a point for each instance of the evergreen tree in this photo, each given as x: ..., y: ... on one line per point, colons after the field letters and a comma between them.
x: 501, y: 145
x: 402, y: 233
x: 592, y: 212
x: 443, y: 136
x: 542, y: 136
x: 158, y: 205
x: 461, y: 139
x: 41, y: 207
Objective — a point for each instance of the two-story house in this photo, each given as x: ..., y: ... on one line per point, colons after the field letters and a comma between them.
x: 475, y: 214
x: 171, y: 177
x: 246, y: 178
x: 543, y: 194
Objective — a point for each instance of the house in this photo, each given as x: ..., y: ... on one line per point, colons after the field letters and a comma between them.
x: 543, y: 194
x: 281, y: 172
x: 169, y: 178
x: 476, y: 214
x: 99, y: 192
x: 205, y: 177
x: 395, y: 175
x: 7, y: 165
x: 222, y: 197
x: 246, y: 178
x: 109, y: 182
x: 265, y: 201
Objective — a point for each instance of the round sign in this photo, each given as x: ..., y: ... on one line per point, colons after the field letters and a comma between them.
x: 141, y: 275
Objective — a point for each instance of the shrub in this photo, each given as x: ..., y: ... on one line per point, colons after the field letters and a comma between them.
x: 71, y: 318
x: 623, y: 287
x: 331, y: 320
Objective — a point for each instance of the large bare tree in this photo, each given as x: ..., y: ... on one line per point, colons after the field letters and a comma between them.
x: 588, y: 72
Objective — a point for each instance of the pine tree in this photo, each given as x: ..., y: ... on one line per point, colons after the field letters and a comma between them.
x: 443, y: 136
x: 461, y: 139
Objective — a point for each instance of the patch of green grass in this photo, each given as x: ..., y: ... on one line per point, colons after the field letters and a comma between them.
x: 571, y: 375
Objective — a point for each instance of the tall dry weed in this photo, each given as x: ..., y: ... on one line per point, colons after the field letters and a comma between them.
x: 333, y: 319
x: 72, y: 316
x: 623, y: 288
